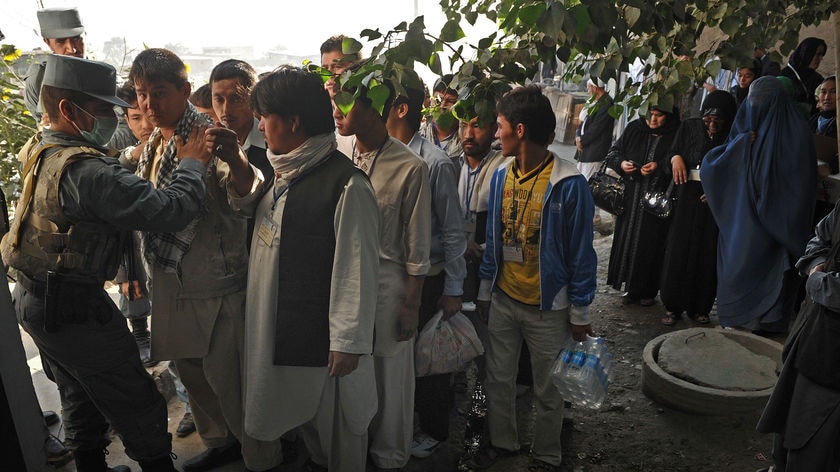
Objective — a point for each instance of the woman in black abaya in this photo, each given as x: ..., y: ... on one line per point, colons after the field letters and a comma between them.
x: 689, y: 276
x: 640, y: 156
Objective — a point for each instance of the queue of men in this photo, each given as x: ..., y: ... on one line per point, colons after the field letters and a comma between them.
x: 289, y: 260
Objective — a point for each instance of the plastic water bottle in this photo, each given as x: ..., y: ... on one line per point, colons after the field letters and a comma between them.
x: 582, y: 371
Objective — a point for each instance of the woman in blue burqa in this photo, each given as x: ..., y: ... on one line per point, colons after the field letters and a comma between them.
x: 760, y: 188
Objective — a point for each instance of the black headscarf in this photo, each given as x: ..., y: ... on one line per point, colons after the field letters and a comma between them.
x: 802, y: 56
x: 805, y: 79
x: 722, y: 105
x: 672, y: 122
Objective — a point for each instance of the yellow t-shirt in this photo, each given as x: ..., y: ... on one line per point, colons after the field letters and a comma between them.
x: 522, y: 203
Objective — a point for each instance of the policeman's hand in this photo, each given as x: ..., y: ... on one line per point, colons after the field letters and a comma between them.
x: 222, y: 142
x: 450, y: 305
x: 194, y: 147
x: 482, y: 308
x: 342, y: 363
x: 579, y: 332
x: 407, y: 322
x: 137, y: 152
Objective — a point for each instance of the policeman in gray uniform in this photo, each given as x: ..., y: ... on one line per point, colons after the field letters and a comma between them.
x: 74, y: 215
x: 63, y: 33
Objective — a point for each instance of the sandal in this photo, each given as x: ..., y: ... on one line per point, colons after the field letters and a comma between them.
x: 670, y: 318
x: 702, y: 318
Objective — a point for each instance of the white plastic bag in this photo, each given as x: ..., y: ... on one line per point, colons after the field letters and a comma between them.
x: 446, y: 346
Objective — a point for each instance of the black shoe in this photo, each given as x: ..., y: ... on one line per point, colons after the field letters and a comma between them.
x: 164, y: 464
x: 51, y: 418
x: 186, y: 426
x: 93, y: 460
x: 57, y: 454
x: 213, y: 457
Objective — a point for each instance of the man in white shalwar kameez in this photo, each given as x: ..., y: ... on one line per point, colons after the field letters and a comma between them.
x: 309, y: 333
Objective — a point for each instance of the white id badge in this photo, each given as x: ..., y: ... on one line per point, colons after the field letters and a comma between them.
x: 267, y: 231
x: 513, y: 254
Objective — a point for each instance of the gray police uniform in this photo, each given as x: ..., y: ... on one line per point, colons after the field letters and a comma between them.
x: 75, y: 214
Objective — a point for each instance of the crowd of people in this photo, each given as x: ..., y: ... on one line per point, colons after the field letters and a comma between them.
x: 287, y: 249
x: 744, y: 184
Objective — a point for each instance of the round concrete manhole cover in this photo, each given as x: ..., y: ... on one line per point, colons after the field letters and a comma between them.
x: 711, y: 359
x: 711, y: 371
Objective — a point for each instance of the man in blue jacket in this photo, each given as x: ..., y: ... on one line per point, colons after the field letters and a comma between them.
x: 539, y: 265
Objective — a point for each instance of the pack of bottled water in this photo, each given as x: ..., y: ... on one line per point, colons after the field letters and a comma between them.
x: 582, y: 371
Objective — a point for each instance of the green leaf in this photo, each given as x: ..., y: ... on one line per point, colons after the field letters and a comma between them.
x: 344, y: 101
x: 350, y: 46
x: 632, y: 14
x: 451, y: 32
x: 713, y: 67
x: 378, y: 94
x: 471, y: 17
x: 446, y: 120
x: 582, y: 18
x: 371, y: 35
x: 529, y: 15
x: 551, y: 21
x: 597, y: 68
x: 730, y: 25
x: 434, y: 64
x: 616, y: 111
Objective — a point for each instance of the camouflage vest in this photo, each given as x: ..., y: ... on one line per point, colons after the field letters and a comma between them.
x: 41, y: 238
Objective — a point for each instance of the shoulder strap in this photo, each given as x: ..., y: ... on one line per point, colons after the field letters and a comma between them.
x: 30, y: 173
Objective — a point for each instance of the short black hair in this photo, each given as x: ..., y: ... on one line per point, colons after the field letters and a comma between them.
x: 528, y: 105
x: 414, y: 100
x: 158, y: 65
x: 443, y: 85
x: 50, y: 96
x: 292, y: 91
x: 333, y: 43
x: 235, y: 69
x: 127, y: 93
x: 202, y: 97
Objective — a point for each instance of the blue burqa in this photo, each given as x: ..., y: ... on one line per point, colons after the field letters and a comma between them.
x: 762, y: 196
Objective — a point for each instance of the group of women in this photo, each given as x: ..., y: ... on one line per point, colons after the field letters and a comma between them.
x: 734, y: 237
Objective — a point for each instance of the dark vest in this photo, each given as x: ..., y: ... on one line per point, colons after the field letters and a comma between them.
x: 257, y: 158
x: 307, y: 248
x: 42, y: 238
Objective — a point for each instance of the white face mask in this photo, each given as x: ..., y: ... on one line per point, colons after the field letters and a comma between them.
x: 103, y: 128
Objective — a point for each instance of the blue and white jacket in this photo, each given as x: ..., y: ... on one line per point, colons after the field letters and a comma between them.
x: 568, y: 263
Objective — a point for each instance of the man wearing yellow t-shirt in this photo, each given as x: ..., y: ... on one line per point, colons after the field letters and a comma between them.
x: 538, y: 270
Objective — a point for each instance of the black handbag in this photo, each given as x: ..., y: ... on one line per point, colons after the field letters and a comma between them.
x: 607, y: 191
x: 660, y: 203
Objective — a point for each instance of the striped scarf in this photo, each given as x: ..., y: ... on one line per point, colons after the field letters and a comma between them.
x: 167, y: 249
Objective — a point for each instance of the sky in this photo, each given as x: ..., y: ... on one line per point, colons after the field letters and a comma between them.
x: 298, y: 27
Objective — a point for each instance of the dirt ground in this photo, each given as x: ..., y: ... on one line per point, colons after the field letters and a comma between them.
x: 629, y: 432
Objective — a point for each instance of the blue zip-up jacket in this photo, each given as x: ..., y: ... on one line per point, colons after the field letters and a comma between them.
x: 568, y: 263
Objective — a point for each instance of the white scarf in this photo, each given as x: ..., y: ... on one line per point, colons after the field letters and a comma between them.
x: 309, y: 154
